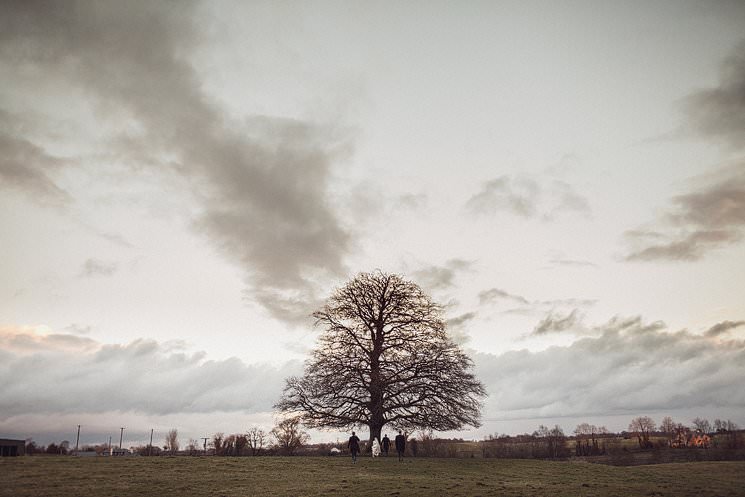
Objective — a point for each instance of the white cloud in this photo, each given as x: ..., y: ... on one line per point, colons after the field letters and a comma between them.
x: 435, y: 277
x: 527, y: 197
x: 64, y: 373
x: 628, y: 367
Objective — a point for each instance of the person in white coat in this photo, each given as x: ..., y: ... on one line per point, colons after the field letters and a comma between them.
x: 375, y: 448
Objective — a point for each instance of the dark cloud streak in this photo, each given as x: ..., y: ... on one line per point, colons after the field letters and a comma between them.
x: 555, y: 322
x: 723, y: 327
x: 27, y: 167
x: 261, y: 182
x: 710, y: 217
x: 494, y: 295
x: 719, y: 113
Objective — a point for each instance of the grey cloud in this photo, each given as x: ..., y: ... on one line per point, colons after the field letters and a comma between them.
x: 290, y: 305
x: 26, y: 166
x: 713, y: 215
x: 459, y: 264
x: 566, y: 199
x: 555, y: 322
x: 456, y: 327
x: 116, y: 239
x: 688, y: 247
x: 723, y: 327
x: 147, y: 377
x: 462, y: 319
x: 297, y: 348
x: 569, y: 302
x: 22, y: 341
x: 630, y: 367
x: 262, y: 182
x: 572, y: 262
x: 412, y: 200
x: 567, y: 163
x: 371, y: 201
x: 96, y: 267
x: 518, y: 196
x: 493, y: 294
x: 719, y: 112
x: 436, y: 277
x: 709, y: 217
x: 527, y: 197
x: 721, y: 205
x: 78, y: 329
x: 631, y: 325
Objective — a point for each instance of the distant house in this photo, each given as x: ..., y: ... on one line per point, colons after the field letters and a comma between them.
x: 11, y: 448
x: 684, y: 438
x: 701, y: 440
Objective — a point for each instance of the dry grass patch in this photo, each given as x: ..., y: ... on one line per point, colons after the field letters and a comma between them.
x: 316, y: 476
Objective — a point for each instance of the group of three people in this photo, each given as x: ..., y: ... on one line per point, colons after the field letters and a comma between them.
x: 400, y: 442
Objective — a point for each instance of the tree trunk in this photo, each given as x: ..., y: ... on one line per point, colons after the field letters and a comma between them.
x: 374, y: 435
x: 376, y: 389
x: 376, y: 414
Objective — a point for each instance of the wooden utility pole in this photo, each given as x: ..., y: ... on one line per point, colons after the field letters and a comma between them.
x: 150, y: 447
x: 77, y: 440
x: 205, y: 444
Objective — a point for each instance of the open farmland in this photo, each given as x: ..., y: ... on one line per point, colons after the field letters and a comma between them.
x: 317, y: 476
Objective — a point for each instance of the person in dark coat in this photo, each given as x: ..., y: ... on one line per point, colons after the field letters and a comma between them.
x: 386, y: 445
x: 354, y: 446
x: 400, y: 445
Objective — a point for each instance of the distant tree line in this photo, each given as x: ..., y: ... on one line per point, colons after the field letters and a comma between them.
x: 721, y: 439
x: 286, y: 438
x: 62, y: 448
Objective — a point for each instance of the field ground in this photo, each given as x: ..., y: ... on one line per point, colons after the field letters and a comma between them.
x: 40, y: 476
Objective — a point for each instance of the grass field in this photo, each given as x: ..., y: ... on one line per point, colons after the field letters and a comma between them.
x: 317, y: 476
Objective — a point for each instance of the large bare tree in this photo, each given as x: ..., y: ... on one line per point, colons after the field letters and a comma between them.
x: 384, y: 357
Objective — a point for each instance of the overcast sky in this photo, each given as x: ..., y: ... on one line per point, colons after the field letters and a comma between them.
x: 181, y: 184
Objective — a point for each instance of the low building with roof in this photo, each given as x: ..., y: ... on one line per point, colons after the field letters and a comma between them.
x: 10, y: 447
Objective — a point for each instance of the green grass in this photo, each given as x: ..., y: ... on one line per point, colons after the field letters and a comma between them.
x: 317, y: 476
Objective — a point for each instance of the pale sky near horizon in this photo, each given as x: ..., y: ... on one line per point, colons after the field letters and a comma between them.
x: 182, y: 183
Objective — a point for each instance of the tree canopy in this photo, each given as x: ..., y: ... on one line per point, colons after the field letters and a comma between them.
x: 384, y: 357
